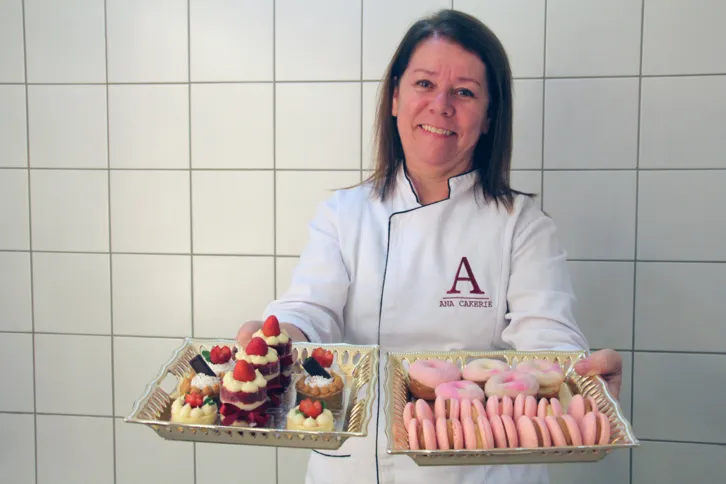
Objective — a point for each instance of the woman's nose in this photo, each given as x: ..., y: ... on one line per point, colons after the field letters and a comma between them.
x: 442, y: 104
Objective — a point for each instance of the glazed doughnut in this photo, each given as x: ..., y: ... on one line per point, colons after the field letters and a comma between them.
x: 549, y: 407
x: 595, y: 429
x: 446, y: 408
x: 564, y: 430
x: 497, y: 406
x: 460, y: 389
x: 533, y: 432
x: 579, y: 406
x: 524, y: 405
x: 480, y: 370
x: 423, y: 433
x: 426, y: 375
x: 511, y: 383
x: 471, y: 408
x: 419, y: 411
x: 549, y: 375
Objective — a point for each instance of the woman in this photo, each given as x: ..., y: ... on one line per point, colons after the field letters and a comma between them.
x: 435, y: 251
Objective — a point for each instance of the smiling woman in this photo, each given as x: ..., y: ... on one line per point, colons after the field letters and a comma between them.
x: 436, y: 251
x: 436, y: 99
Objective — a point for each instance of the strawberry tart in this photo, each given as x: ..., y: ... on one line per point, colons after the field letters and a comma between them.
x: 319, y: 381
x: 280, y: 341
x: 208, y: 370
x: 193, y: 408
x: 310, y: 415
x: 244, y: 396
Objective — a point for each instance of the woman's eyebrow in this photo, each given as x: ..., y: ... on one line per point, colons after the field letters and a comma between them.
x: 463, y: 79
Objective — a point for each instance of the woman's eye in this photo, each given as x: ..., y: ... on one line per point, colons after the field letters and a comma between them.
x: 465, y: 92
x: 424, y: 83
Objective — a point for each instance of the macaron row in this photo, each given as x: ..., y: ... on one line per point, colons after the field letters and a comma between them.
x: 503, y: 432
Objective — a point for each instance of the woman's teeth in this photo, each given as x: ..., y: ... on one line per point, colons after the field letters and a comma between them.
x: 432, y: 129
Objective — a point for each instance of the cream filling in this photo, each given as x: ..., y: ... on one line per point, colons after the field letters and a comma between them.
x: 270, y: 357
x: 281, y: 338
x: 244, y: 386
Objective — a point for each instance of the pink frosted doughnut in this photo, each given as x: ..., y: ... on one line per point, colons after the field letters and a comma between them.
x: 446, y: 408
x: 511, y: 383
x: 549, y: 407
x: 460, y: 389
x: 524, y: 405
x: 497, y: 406
x: 480, y: 370
x: 432, y: 372
x: 548, y: 373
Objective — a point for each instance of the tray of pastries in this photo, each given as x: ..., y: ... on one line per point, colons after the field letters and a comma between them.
x: 272, y: 392
x: 499, y: 407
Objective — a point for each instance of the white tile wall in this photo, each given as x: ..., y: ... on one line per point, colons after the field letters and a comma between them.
x: 137, y: 208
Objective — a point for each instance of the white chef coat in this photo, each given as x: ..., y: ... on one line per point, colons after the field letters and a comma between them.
x: 457, y: 274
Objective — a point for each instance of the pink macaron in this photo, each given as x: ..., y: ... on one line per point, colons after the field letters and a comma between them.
x: 564, y: 430
x: 499, y: 406
x: 532, y: 432
x: 446, y: 408
x: 471, y: 408
x: 581, y: 405
x: 524, y: 405
x: 595, y: 429
x: 549, y: 407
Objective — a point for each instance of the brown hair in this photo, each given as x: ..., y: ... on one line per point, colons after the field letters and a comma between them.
x: 492, y: 155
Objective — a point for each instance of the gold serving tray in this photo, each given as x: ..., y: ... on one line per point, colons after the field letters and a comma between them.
x: 397, y: 395
x: 357, y: 365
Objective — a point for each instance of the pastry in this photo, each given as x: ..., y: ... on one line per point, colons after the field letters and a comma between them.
x: 419, y: 411
x: 549, y: 375
x: 511, y: 383
x: 318, y: 381
x: 310, y: 415
x: 244, y: 396
x: 426, y: 375
x: 480, y: 370
x: 201, y: 378
x: 280, y: 341
x: 459, y: 389
x: 219, y: 359
x: 193, y: 408
x: 262, y: 358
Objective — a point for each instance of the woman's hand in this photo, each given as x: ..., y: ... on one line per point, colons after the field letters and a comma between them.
x: 244, y: 335
x: 606, y: 363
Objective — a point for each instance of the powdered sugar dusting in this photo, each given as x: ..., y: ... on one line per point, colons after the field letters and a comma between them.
x: 318, y: 381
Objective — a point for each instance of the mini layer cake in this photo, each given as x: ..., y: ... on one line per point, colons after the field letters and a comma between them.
x: 280, y: 341
x: 310, y: 415
x: 263, y: 358
x: 193, y: 408
x: 244, y: 396
x: 318, y: 381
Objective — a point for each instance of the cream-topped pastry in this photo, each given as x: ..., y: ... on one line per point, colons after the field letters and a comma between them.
x: 310, y: 415
x: 244, y: 389
x: 280, y: 341
x: 193, y: 408
x: 233, y: 385
x: 263, y: 358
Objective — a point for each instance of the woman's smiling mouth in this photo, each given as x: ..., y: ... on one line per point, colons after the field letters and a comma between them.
x: 435, y: 130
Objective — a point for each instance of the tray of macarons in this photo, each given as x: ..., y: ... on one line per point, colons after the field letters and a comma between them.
x: 271, y: 392
x: 499, y: 407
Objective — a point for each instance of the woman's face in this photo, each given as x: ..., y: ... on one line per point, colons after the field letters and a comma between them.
x: 440, y: 104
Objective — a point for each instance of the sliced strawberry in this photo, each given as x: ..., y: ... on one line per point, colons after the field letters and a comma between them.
x: 189, y: 398
x: 256, y: 346
x: 243, y: 371
x: 225, y: 354
x: 271, y: 327
x: 311, y: 408
x: 324, y: 357
x: 214, y: 355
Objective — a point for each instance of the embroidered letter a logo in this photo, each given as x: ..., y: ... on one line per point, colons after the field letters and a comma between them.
x: 464, y: 264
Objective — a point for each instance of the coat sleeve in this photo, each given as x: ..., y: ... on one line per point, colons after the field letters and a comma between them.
x: 540, y: 296
x: 318, y: 292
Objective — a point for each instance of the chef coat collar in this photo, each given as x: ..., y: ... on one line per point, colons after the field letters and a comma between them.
x: 457, y: 184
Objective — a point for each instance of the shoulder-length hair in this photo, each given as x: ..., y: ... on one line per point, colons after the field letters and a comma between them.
x: 492, y: 155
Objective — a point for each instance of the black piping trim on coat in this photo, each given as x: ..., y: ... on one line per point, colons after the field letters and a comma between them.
x: 330, y: 455
x: 383, y: 286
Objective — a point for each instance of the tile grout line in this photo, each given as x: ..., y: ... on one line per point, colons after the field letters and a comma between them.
x: 274, y: 178
x: 191, y: 200
x: 110, y: 243
x: 635, y: 245
x: 345, y: 170
x: 349, y: 81
x: 30, y: 240
x: 544, y: 92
